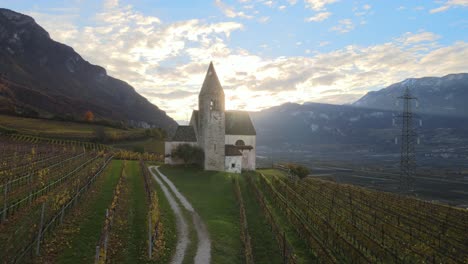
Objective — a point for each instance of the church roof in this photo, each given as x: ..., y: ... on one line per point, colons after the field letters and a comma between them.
x: 231, y: 150
x: 211, y: 83
x: 237, y: 123
x: 184, y: 134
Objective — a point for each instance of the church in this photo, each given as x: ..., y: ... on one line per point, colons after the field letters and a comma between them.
x: 226, y: 137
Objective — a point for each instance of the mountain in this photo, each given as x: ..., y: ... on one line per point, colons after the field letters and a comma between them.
x: 444, y: 96
x: 42, y: 77
x: 314, y: 123
x: 366, y: 128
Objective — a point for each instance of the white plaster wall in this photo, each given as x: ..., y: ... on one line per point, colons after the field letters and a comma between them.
x: 248, y: 156
x: 169, y: 146
x: 229, y: 160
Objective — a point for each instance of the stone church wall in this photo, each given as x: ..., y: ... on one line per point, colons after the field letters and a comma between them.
x: 248, y: 156
x: 233, y: 164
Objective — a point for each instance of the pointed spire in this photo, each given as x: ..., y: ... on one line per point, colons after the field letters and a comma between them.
x: 211, y: 83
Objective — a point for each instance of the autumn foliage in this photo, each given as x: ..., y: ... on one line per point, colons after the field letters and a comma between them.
x: 89, y: 116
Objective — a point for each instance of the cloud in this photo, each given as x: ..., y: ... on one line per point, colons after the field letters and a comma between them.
x: 268, y: 3
x: 449, y: 4
x: 264, y: 19
x: 344, y: 26
x: 109, y: 4
x: 292, y: 2
x: 318, y: 5
x: 412, y: 38
x: 327, y: 79
x: 229, y: 11
x: 178, y: 94
x: 168, y: 61
x: 318, y: 17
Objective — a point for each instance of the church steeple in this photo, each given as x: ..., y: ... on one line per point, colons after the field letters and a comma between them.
x: 211, y: 84
x: 211, y: 121
x: 211, y: 94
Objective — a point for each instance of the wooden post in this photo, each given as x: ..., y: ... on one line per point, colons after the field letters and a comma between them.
x: 39, y: 234
x: 106, y: 231
x: 76, y: 196
x: 150, y: 243
x: 285, y: 260
x: 61, y: 215
x: 106, y: 239
x: 5, y: 190
x: 96, y: 259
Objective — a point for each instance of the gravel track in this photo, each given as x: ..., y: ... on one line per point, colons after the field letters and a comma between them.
x: 203, y: 255
x: 182, y: 227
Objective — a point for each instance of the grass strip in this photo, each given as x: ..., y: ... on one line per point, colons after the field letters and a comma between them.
x: 75, y: 240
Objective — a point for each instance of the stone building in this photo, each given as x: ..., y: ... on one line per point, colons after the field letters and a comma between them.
x: 227, y: 137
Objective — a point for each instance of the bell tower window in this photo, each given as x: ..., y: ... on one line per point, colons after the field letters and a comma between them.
x: 213, y: 105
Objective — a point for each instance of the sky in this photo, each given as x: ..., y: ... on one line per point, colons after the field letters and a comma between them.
x: 265, y: 52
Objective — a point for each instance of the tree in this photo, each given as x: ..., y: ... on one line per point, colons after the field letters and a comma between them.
x: 189, y: 154
x: 298, y: 170
x: 156, y: 133
x: 89, y: 116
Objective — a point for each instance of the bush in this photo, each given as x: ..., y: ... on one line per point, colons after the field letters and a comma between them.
x: 189, y: 154
x: 157, y: 133
x: 298, y: 170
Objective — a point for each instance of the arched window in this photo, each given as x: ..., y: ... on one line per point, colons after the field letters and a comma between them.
x: 240, y: 142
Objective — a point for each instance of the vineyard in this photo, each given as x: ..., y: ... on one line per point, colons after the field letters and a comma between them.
x: 68, y: 202
x: 51, y: 190
x: 348, y: 224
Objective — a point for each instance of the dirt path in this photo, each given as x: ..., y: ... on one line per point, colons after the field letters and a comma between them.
x: 182, y: 228
x: 203, y: 254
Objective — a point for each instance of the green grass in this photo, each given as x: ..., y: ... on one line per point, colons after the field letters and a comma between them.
x: 83, y: 244
x: 138, y: 213
x: 146, y: 145
x: 60, y: 129
x: 304, y: 255
x: 75, y: 240
x: 133, y: 234
x: 192, y: 234
x: 212, y: 196
x: 272, y: 172
x: 168, y: 223
x: 118, y: 237
x: 264, y: 246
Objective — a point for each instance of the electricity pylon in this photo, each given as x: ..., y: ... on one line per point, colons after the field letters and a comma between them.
x: 408, y: 140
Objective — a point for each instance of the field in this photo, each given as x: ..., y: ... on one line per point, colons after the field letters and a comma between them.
x: 145, y: 145
x: 213, y: 196
x: 62, y: 129
x: 344, y: 223
x: 65, y: 203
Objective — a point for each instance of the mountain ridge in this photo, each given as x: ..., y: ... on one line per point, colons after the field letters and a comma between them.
x: 436, y: 95
x: 45, y: 78
x: 333, y: 130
